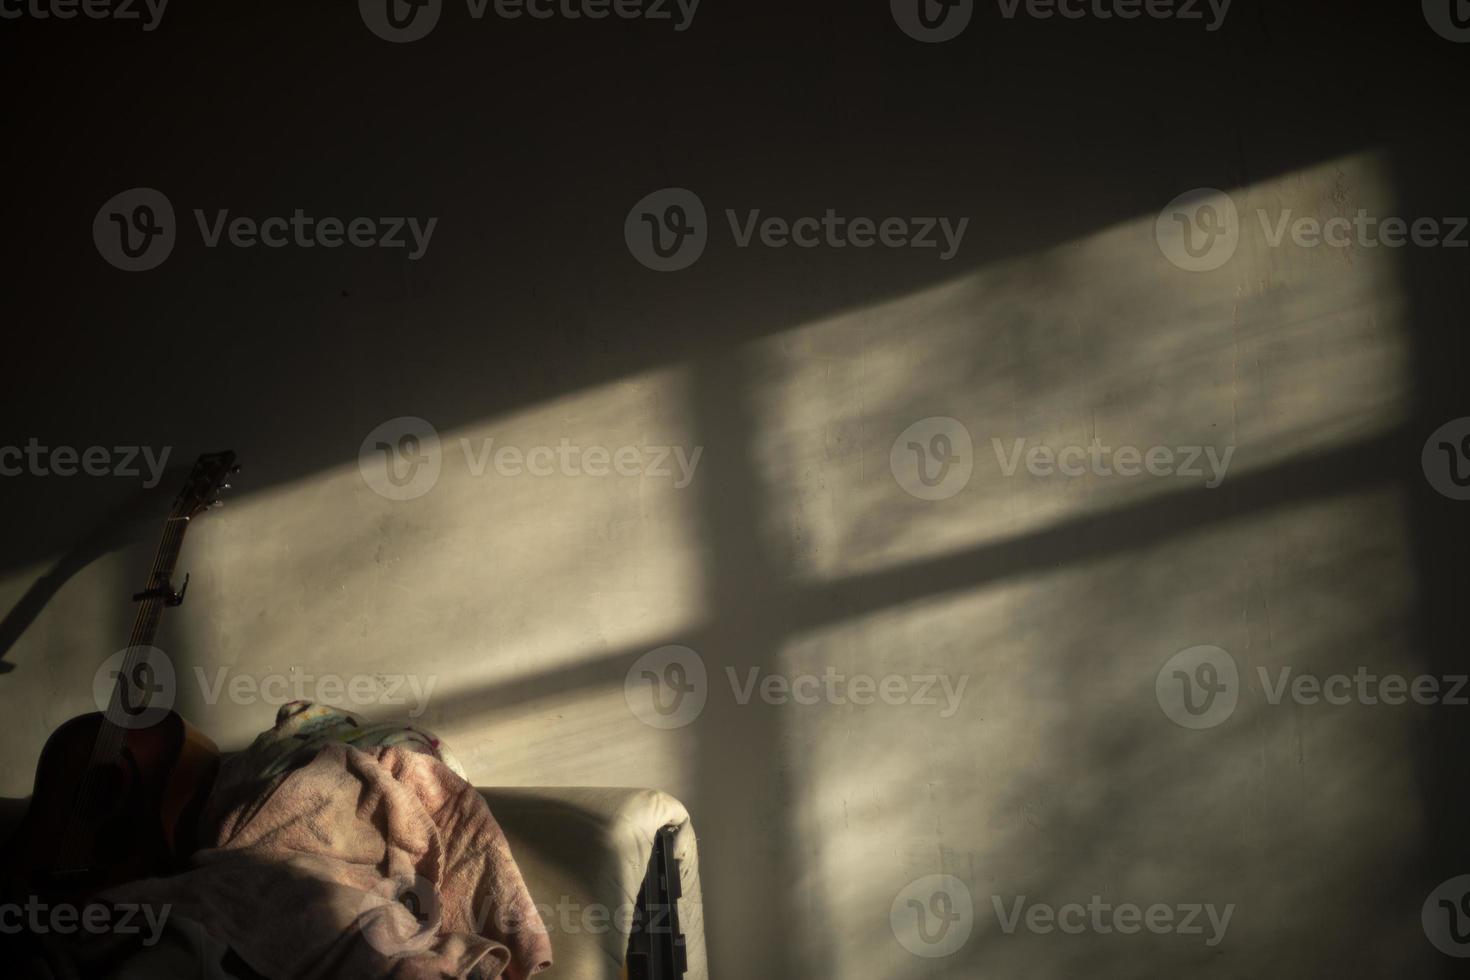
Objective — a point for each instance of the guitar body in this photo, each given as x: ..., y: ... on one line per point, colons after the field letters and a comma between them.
x: 119, y: 793
x: 90, y: 827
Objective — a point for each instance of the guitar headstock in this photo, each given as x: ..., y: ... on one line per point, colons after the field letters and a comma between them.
x: 207, y: 481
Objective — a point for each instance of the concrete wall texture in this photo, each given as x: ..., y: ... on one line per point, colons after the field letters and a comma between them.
x: 1030, y: 604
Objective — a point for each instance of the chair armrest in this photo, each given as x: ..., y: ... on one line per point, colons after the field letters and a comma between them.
x: 584, y: 853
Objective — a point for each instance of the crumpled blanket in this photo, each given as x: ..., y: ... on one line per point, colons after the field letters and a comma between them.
x: 330, y: 854
x: 302, y: 727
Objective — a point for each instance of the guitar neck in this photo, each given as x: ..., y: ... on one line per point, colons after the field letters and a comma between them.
x: 142, y: 690
x: 158, y: 593
x: 200, y: 492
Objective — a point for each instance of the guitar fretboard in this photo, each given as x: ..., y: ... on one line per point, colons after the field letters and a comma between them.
x: 154, y: 600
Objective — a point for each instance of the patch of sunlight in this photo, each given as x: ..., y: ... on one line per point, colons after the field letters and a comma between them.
x: 1061, y: 777
x: 55, y: 658
x: 493, y: 576
x: 583, y: 737
x: 1282, y: 351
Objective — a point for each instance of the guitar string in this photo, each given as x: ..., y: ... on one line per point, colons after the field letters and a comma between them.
x: 149, y: 613
x: 113, y: 737
x: 149, y: 616
x: 100, y: 745
x: 147, y: 619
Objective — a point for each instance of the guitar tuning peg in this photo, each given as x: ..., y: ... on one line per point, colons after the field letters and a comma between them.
x: 215, y: 504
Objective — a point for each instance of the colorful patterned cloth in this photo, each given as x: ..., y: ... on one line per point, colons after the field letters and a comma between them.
x: 303, y: 727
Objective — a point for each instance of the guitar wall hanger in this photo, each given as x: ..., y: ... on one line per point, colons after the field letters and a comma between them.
x: 166, y: 593
x: 206, y: 484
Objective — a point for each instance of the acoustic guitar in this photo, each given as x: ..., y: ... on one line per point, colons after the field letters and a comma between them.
x: 118, y: 793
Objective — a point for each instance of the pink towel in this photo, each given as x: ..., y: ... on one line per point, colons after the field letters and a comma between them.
x: 361, y: 864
